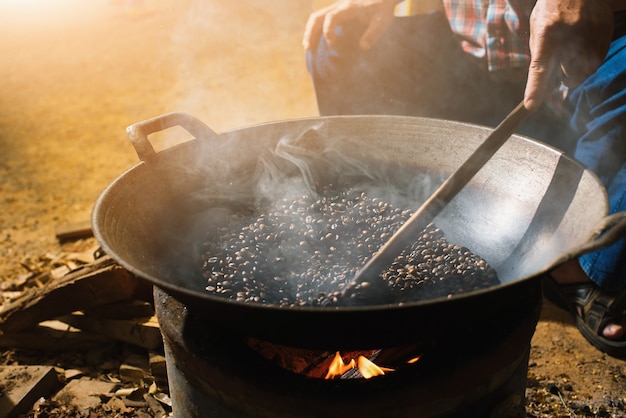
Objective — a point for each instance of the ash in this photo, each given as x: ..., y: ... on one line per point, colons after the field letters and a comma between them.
x: 305, y: 251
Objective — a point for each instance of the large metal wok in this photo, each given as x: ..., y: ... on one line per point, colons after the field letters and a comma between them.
x: 529, y: 209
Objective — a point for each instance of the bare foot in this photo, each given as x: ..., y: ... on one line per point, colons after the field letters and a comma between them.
x: 570, y: 273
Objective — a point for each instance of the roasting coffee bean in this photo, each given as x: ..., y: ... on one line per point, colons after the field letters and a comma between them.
x: 304, y: 252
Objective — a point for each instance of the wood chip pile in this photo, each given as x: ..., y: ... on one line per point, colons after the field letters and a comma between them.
x: 79, y: 337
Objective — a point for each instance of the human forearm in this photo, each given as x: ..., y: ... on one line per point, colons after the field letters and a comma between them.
x: 572, y: 34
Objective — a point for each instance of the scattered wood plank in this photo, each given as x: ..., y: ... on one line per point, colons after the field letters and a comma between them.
x: 142, y: 332
x: 53, y: 336
x: 158, y: 369
x: 135, y: 369
x: 84, y: 393
x: 77, y: 230
x: 21, y: 386
x: 95, y: 284
x: 125, y: 309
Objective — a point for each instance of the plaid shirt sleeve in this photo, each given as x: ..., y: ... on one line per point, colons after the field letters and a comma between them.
x: 494, y: 31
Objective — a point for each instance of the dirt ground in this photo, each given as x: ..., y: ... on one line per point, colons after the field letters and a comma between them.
x: 76, y: 73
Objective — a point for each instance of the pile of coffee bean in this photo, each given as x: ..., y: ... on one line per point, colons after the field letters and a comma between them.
x: 304, y: 251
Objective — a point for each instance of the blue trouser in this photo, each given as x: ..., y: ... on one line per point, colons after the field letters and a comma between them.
x: 598, y: 120
x: 418, y: 68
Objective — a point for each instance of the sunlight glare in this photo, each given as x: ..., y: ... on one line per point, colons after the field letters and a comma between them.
x: 37, y: 13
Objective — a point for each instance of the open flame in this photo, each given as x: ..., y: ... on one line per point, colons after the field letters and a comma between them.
x: 366, y: 367
x: 338, y: 367
x: 322, y: 364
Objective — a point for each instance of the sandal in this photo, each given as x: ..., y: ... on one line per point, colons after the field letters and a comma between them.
x: 592, y: 308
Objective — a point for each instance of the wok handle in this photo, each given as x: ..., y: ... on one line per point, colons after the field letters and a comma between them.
x: 610, y: 229
x: 138, y: 132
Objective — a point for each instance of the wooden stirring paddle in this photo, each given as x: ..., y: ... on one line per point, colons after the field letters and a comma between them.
x: 369, y: 276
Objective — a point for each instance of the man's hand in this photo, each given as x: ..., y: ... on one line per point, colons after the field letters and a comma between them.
x: 375, y: 15
x: 574, y: 34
